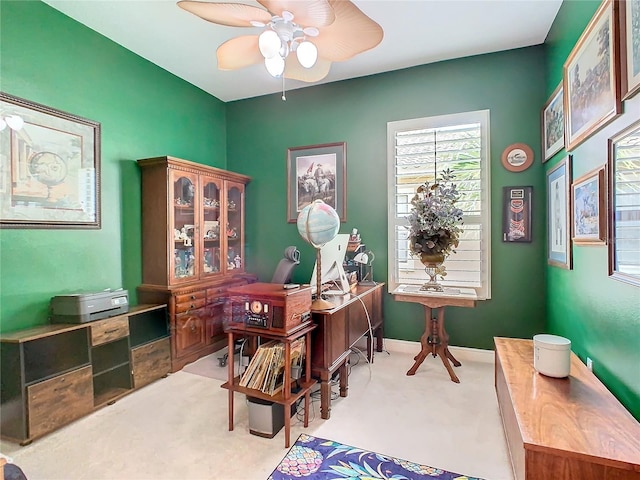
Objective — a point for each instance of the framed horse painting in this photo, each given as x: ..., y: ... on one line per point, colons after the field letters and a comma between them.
x: 317, y: 172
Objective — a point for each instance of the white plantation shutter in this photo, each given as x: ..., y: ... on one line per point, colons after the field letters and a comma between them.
x: 419, y: 149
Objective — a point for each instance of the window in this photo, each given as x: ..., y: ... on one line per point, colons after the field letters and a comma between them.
x: 418, y: 149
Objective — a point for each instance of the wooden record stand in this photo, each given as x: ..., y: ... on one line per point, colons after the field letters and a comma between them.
x: 285, y: 396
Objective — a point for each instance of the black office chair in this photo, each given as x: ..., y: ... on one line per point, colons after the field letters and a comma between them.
x: 284, y: 270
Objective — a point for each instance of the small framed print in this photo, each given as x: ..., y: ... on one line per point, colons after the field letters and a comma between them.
x: 558, y: 210
x: 317, y: 172
x: 588, y: 212
x: 516, y: 214
x: 517, y: 157
x: 553, y: 124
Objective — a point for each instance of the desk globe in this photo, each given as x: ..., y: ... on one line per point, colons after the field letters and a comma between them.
x: 318, y: 224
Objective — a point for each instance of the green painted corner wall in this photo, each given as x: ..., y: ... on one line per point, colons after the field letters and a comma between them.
x: 599, y: 315
x: 510, y: 84
x: 144, y: 111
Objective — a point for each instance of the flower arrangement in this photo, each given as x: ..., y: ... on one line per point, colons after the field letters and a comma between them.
x: 434, y: 221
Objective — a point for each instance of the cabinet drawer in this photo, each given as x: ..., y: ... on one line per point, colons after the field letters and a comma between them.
x: 55, y: 402
x: 190, y: 297
x: 189, y: 332
x: 214, y: 293
x: 190, y: 305
x: 109, y: 330
x: 150, y: 362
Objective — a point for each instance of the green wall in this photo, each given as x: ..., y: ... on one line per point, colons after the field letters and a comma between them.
x: 145, y: 111
x: 48, y: 58
x: 510, y: 84
x: 599, y: 315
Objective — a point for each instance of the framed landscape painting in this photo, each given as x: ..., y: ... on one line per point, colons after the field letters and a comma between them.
x: 630, y: 43
x: 558, y: 210
x: 316, y: 172
x: 591, y: 86
x: 589, y: 212
x: 553, y: 124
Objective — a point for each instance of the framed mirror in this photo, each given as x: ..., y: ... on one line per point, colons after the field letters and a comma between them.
x: 624, y: 205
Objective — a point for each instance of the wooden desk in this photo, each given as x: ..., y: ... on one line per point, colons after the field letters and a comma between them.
x: 435, y: 339
x: 562, y: 428
x: 338, y: 330
x: 285, y: 396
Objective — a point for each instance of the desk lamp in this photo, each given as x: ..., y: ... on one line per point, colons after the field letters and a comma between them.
x: 366, y: 260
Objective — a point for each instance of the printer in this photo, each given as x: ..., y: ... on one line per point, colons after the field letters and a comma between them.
x: 86, y: 307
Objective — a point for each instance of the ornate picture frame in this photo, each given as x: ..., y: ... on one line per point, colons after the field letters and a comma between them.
x: 553, y: 124
x: 317, y: 172
x: 623, y: 204
x: 559, y: 252
x: 630, y: 47
x: 588, y: 202
x: 49, y: 168
x: 590, y: 77
x: 516, y: 214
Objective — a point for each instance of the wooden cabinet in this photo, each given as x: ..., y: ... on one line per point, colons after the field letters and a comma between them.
x: 562, y: 428
x: 192, y: 249
x: 339, y: 329
x: 54, y: 374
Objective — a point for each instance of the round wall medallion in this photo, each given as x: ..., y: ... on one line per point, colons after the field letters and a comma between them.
x: 517, y: 157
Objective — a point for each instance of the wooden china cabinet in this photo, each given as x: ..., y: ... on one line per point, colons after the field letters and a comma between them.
x: 192, y: 249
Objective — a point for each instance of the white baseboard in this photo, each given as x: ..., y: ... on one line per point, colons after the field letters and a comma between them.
x: 461, y: 353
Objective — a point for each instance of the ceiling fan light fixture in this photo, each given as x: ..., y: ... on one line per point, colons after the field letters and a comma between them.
x: 274, y: 65
x: 307, y: 54
x: 269, y: 44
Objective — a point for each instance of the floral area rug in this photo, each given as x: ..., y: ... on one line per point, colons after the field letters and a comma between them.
x: 319, y: 459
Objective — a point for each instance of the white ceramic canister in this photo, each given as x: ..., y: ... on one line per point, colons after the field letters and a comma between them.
x: 552, y: 355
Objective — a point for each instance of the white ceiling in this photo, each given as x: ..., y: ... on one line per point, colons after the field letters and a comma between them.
x: 415, y: 32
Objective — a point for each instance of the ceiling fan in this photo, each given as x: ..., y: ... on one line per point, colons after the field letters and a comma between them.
x: 319, y: 32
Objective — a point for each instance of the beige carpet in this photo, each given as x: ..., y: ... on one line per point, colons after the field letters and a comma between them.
x: 209, y: 366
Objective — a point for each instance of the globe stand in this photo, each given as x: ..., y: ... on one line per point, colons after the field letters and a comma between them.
x: 319, y: 303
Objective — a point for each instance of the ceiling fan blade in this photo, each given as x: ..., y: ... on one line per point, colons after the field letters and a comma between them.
x: 311, y: 13
x: 239, y: 52
x: 352, y: 33
x: 229, y: 14
x: 295, y: 71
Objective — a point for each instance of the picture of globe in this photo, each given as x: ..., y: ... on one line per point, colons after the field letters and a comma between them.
x: 318, y: 223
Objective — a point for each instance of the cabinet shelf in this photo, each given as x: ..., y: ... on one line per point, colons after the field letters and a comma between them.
x: 277, y: 398
x: 110, y: 369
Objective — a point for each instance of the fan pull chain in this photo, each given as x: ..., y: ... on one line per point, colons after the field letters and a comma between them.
x: 284, y: 97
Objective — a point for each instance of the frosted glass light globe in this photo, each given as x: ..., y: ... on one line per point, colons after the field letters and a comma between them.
x: 275, y: 65
x: 307, y: 54
x: 269, y: 43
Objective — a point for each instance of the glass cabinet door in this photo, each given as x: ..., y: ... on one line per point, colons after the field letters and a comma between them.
x: 183, y: 261
x: 211, y: 197
x: 235, y: 226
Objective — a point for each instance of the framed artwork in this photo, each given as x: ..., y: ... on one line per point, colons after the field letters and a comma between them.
x: 558, y: 210
x: 630, y: 45
x: 623, y: 166
x: 516, y: 214
x: 317, y: 172
x: 49, y: 167
x: 517, y: 157
x: 588, y: 202
x: 591, y: 86
x: 553, y: 124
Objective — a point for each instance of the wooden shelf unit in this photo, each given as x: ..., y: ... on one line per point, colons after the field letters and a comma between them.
x: 284, y: 397
x: 562, y: 428
x: 54, y: 374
